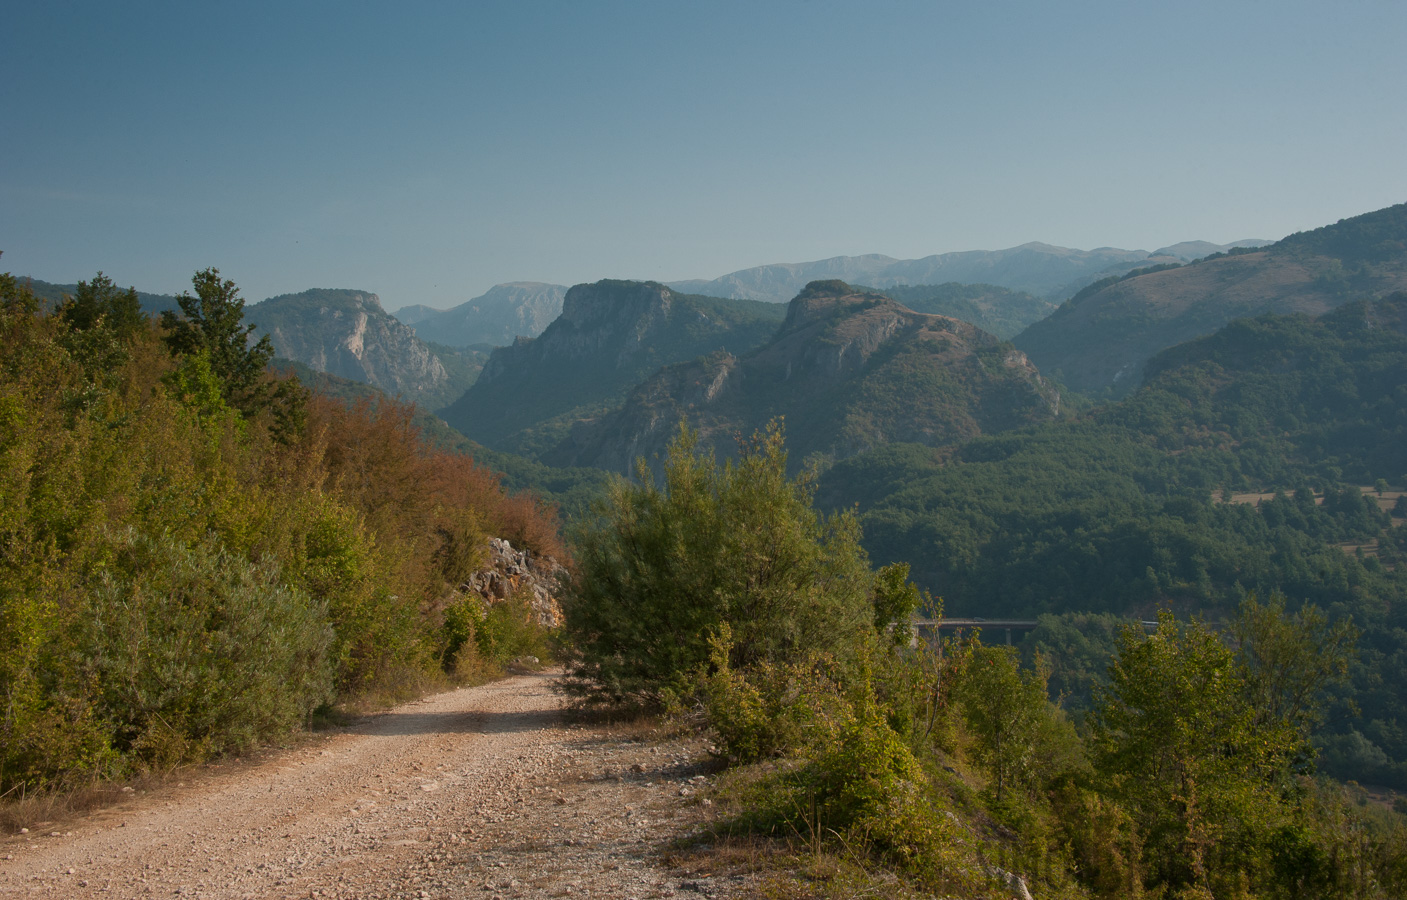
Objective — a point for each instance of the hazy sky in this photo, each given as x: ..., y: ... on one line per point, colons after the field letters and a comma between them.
x: 431, y: 151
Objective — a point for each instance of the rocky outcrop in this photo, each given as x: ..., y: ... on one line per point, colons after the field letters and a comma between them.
x: 519, y: 574
x: 348, y: 334
x: 848, y: 369
x: 504, y: 313
x: 610, y: 336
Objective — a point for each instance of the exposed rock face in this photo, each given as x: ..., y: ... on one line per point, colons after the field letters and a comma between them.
x: 610, y: 336
x: 848, y: 370
x: 348, y: 334
x: 504, y: 313
x: 522, y: 574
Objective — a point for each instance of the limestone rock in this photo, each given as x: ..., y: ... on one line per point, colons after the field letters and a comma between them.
x: 520, y: 574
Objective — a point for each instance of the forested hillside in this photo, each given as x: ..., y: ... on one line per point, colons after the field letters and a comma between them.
x: 1100, y: 339
x: 878, y: 767
x: 1127, y: 510
x: 197, y: 556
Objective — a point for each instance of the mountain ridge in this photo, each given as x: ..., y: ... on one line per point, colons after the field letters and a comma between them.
x: 609, y: 336
x: 1034, y: 267
x: 848, y: 369
x: 1101, y: 337
x: 347, y: 333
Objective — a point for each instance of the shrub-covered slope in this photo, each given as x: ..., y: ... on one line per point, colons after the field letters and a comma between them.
x: 194, y: 555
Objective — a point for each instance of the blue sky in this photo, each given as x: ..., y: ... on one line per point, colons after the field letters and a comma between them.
x: 431, y: 151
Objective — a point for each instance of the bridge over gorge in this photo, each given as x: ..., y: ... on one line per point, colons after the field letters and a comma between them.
x: 927, y: 628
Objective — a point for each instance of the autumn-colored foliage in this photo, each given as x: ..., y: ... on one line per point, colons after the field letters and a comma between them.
x: 293, y: 548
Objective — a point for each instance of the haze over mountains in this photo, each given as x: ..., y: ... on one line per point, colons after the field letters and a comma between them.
x: 848, y: 369
x: 618, y: 335
x: 496, y: 318
x: 1036, y: 268
x: 609, y: 337
x: 526, y: 308
x: 1101, y: 337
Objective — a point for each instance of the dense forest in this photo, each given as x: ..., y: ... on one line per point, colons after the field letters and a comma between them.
x: 1125, y: 509
x: 721, y: 594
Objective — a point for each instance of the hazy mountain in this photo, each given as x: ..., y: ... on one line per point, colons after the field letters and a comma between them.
x: 849, y: 370
x: 1035, y: 268
x: 609, y: 337
x: 416, y: 312
x: 53, y: 294
x: 994, y: 309
x: 1187, y: 251
x: 506, y: 311
x: 1102, y: 336
x: 348, y: 334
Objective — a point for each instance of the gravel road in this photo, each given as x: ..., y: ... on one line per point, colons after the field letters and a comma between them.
x: 479, y: 792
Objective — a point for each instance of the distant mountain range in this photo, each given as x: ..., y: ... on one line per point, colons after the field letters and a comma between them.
x: 505, y: 312
x: 849, y: 370
x: 1036, y: 268
x: 526, y: 308
x: 997, y: 310
x: 1101, y: 337
x: 53, y: 294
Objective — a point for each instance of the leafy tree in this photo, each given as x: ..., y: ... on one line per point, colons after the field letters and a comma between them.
x: 212, y: 322
x: 1290, y: 661
x: 895, y: 601
x: 99, y: 303
x: 1184, y: 748
x: 1007, y: 713
x: 663, y: 566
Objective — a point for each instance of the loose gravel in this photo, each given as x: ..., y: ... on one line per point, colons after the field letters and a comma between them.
x: 476, y: 793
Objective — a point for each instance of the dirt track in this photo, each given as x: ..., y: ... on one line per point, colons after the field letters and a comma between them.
x: 480, y: 792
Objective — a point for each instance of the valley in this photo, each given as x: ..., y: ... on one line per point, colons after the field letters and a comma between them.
x: 751, y: 504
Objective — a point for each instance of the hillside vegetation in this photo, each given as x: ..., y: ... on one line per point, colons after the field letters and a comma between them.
x: 1122, y: 511
x: 1100, y: 339
x: 899, y: 770
x: 195, y: 556
x: 850, y: 370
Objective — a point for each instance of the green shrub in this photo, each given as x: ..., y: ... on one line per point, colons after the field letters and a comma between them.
x: 193, y: 651
x: 481, y: 639
x: 661, y: 567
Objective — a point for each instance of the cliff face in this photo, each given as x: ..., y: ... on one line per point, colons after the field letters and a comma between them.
x: 348, y: 334
x: 848, y: 371
x: 610, y: 336
x: 504, y: 313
